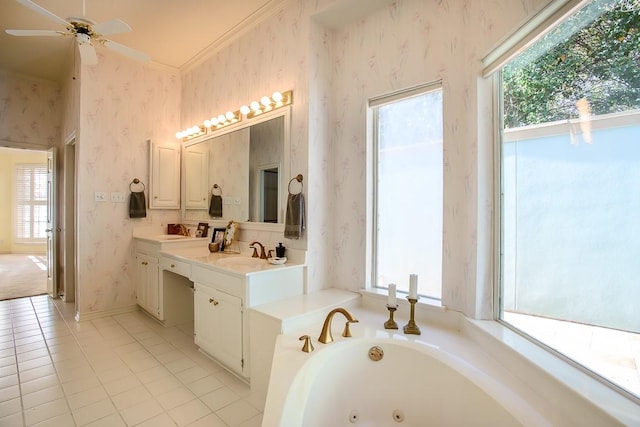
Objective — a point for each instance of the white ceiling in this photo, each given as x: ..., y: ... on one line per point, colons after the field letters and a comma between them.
x: 171, y: 32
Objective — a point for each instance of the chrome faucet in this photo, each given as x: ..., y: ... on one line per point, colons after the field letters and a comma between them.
x: 325, y: 335
x: 263, y: 255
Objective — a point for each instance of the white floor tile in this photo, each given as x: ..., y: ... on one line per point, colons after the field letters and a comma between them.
x: 237, y: 412
x: 64, y: 420
x: 113, y: 420
x: 87, y: 397
x: 175, y: 398
x: 141, y: 412
x: 219, y: 398
x: 93, y: 412
x: 42, y: 396
x: 116, y: 371
x: 189, y: 412
x: 45, y: 411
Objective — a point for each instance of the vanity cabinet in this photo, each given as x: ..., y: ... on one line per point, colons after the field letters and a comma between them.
x: 158, y: 294
x: 218, y: 325
x: 221, y: 300
x: 147, y: 283
x: 164, y: 171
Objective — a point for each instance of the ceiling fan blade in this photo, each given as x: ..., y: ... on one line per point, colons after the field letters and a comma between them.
x: 87, y: 52
x: 35, y: 33
x: 124, y: 50
x: 111, y: 27
x: 41, y: 10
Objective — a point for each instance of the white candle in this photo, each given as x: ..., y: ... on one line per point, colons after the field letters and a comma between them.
x: 391, y: 299
x: 413, y: 286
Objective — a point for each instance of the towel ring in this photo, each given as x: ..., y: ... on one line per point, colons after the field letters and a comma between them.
x: 137, y: 181
x: 214, y: 187
x: 299, y: 179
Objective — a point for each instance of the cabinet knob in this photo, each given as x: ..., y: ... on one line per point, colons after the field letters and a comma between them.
x: 173, y: 266
x: 155, y: 197
x: 144, y: 263
x: 212, y: 301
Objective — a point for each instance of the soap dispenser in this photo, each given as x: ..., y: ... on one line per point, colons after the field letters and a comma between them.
x: 280, y: 251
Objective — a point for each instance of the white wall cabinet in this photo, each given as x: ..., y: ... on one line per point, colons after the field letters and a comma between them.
x: 164, y: 170
x: 147, y: 283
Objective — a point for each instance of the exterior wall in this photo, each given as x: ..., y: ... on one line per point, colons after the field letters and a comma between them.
x: 569, y: 209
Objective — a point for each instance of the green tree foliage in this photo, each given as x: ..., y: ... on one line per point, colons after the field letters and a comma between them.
x: 597, y: 61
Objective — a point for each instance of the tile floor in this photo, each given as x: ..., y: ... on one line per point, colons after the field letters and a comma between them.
x: 124, y: 370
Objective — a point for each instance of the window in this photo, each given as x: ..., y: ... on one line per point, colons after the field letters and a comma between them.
x: 30, y: 203
x: 408, y: 200
x: 570, y: 204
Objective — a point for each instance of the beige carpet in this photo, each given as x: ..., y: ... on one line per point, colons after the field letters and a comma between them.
x: 22, y: 275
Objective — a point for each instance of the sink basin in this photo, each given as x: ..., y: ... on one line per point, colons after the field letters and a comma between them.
x: 171, y: 237
x: 241, y: 261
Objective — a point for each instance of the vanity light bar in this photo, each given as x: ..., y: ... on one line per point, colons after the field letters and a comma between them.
x: 255, y: 108
x: 275, y: 101
x: 226, y: 119
x: 192, y: 132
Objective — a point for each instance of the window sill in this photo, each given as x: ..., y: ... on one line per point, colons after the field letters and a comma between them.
x: 544, y: 370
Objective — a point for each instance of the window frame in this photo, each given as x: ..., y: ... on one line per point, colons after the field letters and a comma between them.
x: 520, y: 41
x: 373, y: 105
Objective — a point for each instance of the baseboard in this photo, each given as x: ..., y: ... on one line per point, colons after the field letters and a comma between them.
x: 82, y: 317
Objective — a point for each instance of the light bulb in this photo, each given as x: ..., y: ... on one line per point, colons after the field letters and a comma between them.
x: 244, y: 110
x: 214, y: 121
x: 266, y: 101
x: 230, y: 116
x: 277, y: 96
x: 179, y: 135
x: 207, y: 123
x: 255, y: 106
x: 221, y: 118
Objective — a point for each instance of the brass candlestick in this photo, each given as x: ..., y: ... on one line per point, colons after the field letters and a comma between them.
x: 411, y: 327
x: 391, y: 324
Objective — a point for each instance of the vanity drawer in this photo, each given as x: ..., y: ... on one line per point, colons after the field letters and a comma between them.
x: 179, y: 267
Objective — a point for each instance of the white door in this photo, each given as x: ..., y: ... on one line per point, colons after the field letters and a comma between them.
x: 52, y: 288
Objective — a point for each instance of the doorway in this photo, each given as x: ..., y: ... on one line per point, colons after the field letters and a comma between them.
x: 23, y: 222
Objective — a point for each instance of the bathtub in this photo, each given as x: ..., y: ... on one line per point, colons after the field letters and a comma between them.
x: 438, y: 378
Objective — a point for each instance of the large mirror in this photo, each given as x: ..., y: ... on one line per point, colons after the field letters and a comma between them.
x: 239, y: 173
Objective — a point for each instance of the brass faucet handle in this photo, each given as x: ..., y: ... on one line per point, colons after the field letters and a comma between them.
x: 255, y: 252
x: 307, y: 347
x: 347, y: 330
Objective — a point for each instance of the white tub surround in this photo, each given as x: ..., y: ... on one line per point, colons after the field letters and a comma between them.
x: 428, y: 377
x: 267, y: 321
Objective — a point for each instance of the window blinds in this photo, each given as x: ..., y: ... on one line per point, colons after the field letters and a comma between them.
x: 30, y: 219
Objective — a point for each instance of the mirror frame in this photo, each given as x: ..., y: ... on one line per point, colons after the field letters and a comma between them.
x: 285, y: 113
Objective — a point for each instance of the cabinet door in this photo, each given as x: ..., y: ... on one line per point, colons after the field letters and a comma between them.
x: 147, y: 282
x: 218, y: 325
x: 196, y: 177
x: 164, y: 168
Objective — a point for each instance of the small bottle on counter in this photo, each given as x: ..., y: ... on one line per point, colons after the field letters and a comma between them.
x: 280, y: 250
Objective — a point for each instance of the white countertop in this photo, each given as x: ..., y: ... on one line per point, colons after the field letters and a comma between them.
x: 224, y: 261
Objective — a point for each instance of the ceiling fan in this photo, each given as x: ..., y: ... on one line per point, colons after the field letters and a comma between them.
x: 86, y: 32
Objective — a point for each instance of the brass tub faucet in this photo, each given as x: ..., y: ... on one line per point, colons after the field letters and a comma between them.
x: 325, y: 335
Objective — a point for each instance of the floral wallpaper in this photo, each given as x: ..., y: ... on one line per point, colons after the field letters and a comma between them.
x: 333, y: 72
x: 29, y: 111
x: 122, y: 105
